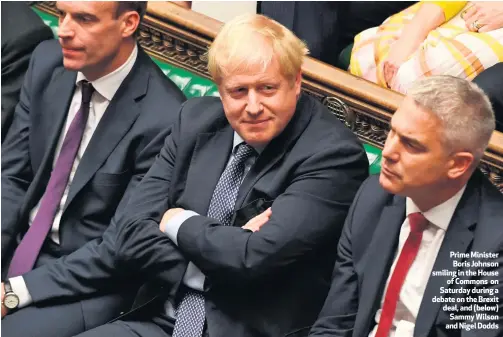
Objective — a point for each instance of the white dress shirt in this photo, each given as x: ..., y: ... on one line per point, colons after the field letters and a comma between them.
x: 194, y: 278
x: 105, y: 89
x: 419, y: 273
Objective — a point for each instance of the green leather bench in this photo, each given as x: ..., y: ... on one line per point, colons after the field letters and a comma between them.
x: 193, y: 85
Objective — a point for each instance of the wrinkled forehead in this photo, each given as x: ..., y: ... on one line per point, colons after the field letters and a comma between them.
x: 413, y: 120
x: 96, y: 8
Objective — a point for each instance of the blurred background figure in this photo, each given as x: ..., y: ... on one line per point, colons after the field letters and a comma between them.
x: 430, y: 38
x: 22, y: 31
x: 328, y: 26
x: 491, y: 81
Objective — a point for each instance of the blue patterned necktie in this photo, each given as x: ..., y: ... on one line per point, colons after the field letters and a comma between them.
x: 190, y: 313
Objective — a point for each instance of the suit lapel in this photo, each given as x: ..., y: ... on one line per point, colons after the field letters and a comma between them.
x: 458, y: 237
x: 120, y: 114
x: 50, y: 123
x: 202, y: 178
x: 276, y: 149
x: 380, y: 256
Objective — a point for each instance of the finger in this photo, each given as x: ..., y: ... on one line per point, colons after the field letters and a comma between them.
x: 252, y: 221
x: 487, y: 28
x: 387, y: 73
x: 475, y: 18
x: 469, y: 12
x: 258, y: 224
x: 259, y: 220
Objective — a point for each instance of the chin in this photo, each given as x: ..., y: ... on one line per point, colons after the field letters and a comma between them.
x: 71, y: 65
x: 388, y: 185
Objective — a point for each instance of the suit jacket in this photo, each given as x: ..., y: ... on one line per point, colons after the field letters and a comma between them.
x: 267, y: 283
x: 369, y: 243
x: 491, y: 81
x: 120, y: 152
x: 22, y: 31
x: 315, y: 22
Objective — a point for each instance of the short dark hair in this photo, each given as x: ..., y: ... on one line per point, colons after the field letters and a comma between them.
x: 138, y: 6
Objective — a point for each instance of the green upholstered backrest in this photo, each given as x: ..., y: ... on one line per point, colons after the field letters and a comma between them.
x: 193, y: 85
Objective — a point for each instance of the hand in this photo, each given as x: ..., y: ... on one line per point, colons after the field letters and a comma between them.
x: 258, y: 221
x: 167, y: 216
x: 4, y: 309
x: 488, y: 15
x: 399, y: 53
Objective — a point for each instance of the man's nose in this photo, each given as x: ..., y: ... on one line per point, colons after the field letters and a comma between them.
x: 389, y: 151
x: 253, y: 105
x: 65, y: 29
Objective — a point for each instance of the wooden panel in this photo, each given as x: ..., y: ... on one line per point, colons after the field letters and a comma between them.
x: 181, y: 37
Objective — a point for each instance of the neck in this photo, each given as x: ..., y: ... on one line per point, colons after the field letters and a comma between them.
x: 110, y: 65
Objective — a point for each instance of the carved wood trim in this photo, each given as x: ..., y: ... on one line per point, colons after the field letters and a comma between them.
x: 181, y: 37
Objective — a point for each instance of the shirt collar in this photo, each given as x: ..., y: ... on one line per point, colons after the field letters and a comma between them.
x: 439, y: 215
x: 238, y: 140
x: 108, y: 85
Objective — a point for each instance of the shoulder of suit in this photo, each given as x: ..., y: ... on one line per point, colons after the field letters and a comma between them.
x: 48, y: 54
x: 21, y: 25
x: 204, y: 107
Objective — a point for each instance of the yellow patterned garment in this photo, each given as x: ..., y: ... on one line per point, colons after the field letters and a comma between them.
x: 450, y: 49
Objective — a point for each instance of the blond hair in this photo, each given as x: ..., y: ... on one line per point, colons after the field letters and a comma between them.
x: 464, y: 109
x: 240, y: 46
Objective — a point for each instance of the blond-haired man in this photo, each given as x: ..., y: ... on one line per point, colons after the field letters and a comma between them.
x: 261, y: 153
x: 421, y: 253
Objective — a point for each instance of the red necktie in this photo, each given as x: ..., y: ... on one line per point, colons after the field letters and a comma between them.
x: 418, y: 224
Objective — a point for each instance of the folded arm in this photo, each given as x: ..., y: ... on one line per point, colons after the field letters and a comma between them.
x: 307, y: 215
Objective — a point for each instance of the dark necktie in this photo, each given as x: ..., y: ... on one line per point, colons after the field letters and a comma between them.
x: 418, y: 224
x: 190, y: 314
x: 28, y: 249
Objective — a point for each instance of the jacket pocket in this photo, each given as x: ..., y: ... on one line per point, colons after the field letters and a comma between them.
x: 111, y: 179
x: 251, y: 210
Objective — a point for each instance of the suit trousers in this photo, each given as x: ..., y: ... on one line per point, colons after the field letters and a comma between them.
x: 127, y: 329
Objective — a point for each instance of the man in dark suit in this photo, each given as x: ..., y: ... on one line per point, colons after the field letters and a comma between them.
x: 252, y: 188
x: 22, y: 31
x: 93, y: 114
x: 329, y: 26
x: 421, y: 250
x: 491, y: 81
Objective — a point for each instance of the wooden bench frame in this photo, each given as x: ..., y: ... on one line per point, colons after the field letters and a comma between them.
x: 181, y: 37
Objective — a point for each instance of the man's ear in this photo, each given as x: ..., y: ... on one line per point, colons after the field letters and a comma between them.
x: 130, y: 22
x: 298, y: 83
x: 459, y: 164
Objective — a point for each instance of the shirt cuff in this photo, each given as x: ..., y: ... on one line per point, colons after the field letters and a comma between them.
x: 173, y: 224
x: 19, y: 288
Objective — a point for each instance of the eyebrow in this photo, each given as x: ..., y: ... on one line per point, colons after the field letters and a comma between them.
x: 413, y: 141
x: 81, y: 14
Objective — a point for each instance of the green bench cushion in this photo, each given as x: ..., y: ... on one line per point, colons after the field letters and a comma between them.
x: 193, y: 85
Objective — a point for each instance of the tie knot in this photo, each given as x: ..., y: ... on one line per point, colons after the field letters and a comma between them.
x: 87, y: 92
x: 418, y: 222
x: 244, y: 151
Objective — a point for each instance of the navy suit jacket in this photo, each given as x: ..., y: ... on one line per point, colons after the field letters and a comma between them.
x: 268, y: 283
x: 369, y: 243
x: 22, y: 31
x: 122, y: 148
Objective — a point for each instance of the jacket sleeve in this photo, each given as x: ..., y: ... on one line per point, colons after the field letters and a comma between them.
x: 337, y: 317
x: 17, y: 173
